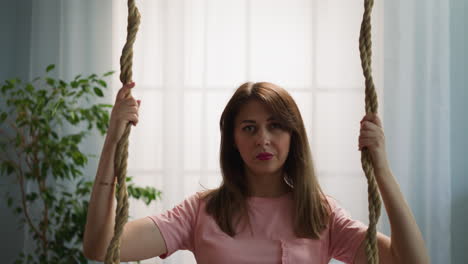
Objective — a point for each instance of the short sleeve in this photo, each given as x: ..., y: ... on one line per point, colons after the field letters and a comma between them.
x: 177, y: 225
x: 346, y: 234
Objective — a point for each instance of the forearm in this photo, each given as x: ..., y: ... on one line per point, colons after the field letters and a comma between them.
x: 407, y: 243
x: 101, y: 209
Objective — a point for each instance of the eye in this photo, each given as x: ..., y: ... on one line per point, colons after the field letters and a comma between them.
x: 248, y: 128
x: 276, y: 125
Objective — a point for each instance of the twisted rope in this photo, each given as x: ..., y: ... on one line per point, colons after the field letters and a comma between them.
x: 121, y: 155
x: 365, y: 48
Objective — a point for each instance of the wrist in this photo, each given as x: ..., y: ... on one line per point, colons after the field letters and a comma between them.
x: 381, y: 165
x: 379, y: 160
x: 383, y: 174
x: 109, y: 143
x: 107, y: 182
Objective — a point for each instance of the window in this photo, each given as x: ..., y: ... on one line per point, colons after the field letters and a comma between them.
x: 189, y: 57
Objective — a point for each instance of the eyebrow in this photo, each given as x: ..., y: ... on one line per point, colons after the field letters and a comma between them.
x: 253, y: 121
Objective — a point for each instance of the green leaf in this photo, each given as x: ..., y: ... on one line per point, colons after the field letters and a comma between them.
x: 62, y: 84
x: 105, y: 105
x: 7, y: 86
x: 78, y: 158
x: 102, y: 83
x: 31, y: 196
x: 83, y: 81
x: 85, y: 88
x: 108, y: 73
x: 50, y: 67
x: 3, y: 117
x: 29, y: 88
x: 74, y: 117
x: 57, y: 105
x: 50, y: 81
x: 42, y: 93
x: 98, y: 92
x: 9, y: 201
x: 9, y: 168
x: 74, y: 84
x: 18, y: 140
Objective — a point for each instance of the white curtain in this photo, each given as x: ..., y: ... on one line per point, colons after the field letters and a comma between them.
x: 417, y: 114
x: 190, y: 55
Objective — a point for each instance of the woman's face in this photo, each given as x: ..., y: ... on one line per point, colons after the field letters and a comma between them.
x: 261, y: 140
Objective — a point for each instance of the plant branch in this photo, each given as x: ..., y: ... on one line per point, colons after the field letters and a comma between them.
x: 42, y: 188
x: 23, y: 200
x: 21, y: 182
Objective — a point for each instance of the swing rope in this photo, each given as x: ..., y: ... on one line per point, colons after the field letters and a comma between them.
x: 121, y: 155
x: 365, y: 48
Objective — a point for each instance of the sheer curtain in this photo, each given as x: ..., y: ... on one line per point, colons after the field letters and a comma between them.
x: 191, y: 55
x: 417, y: 114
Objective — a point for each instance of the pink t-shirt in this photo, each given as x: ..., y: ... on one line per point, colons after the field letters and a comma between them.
x: 187, y: 226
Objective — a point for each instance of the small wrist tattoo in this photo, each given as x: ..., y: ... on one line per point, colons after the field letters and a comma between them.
x: 107, y: 183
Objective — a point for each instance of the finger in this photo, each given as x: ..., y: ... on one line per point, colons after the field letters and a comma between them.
x: 122, y: 91
x: 130, y: 101
x: 377, y: 121
x: 367, y: 134
x: 367, y: 125
x: 130, y: 112
x: 377, y: 137
x: 374, y: 118
x: 125, y: 90
x: 365, y: 143
x: 369, y: 143
x: 367, y: 117
x: 132, y: 118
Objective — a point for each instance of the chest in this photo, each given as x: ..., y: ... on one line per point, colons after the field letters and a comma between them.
x: 270, y: 239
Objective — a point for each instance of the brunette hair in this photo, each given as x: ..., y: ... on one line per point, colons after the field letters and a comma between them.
x: 228, y: 202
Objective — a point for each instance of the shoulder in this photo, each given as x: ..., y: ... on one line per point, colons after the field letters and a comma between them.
x: 194, y: 199
x: 337, y: 213
x: 332, y: 203
x: 204, y: 195
x: 198, y: 198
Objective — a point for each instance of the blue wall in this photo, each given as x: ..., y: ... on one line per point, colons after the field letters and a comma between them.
x: 459, y: 128
x: 15, y: 27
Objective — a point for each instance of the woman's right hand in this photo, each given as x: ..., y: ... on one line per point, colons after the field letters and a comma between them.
x: 125, y: 110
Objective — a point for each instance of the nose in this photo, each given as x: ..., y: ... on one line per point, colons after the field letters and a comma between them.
x: 263, y: 137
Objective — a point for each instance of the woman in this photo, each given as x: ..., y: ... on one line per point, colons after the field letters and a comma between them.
x: 269, y: 207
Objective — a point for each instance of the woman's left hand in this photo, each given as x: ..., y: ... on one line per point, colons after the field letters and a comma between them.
x: 371, y: 136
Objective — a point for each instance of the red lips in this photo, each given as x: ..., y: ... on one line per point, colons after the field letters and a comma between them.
x: 264, y: 155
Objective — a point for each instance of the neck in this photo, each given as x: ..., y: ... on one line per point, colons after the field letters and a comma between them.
x: 266, y: 185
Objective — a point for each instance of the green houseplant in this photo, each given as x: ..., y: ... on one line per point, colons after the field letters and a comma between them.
x: 34, y: 152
